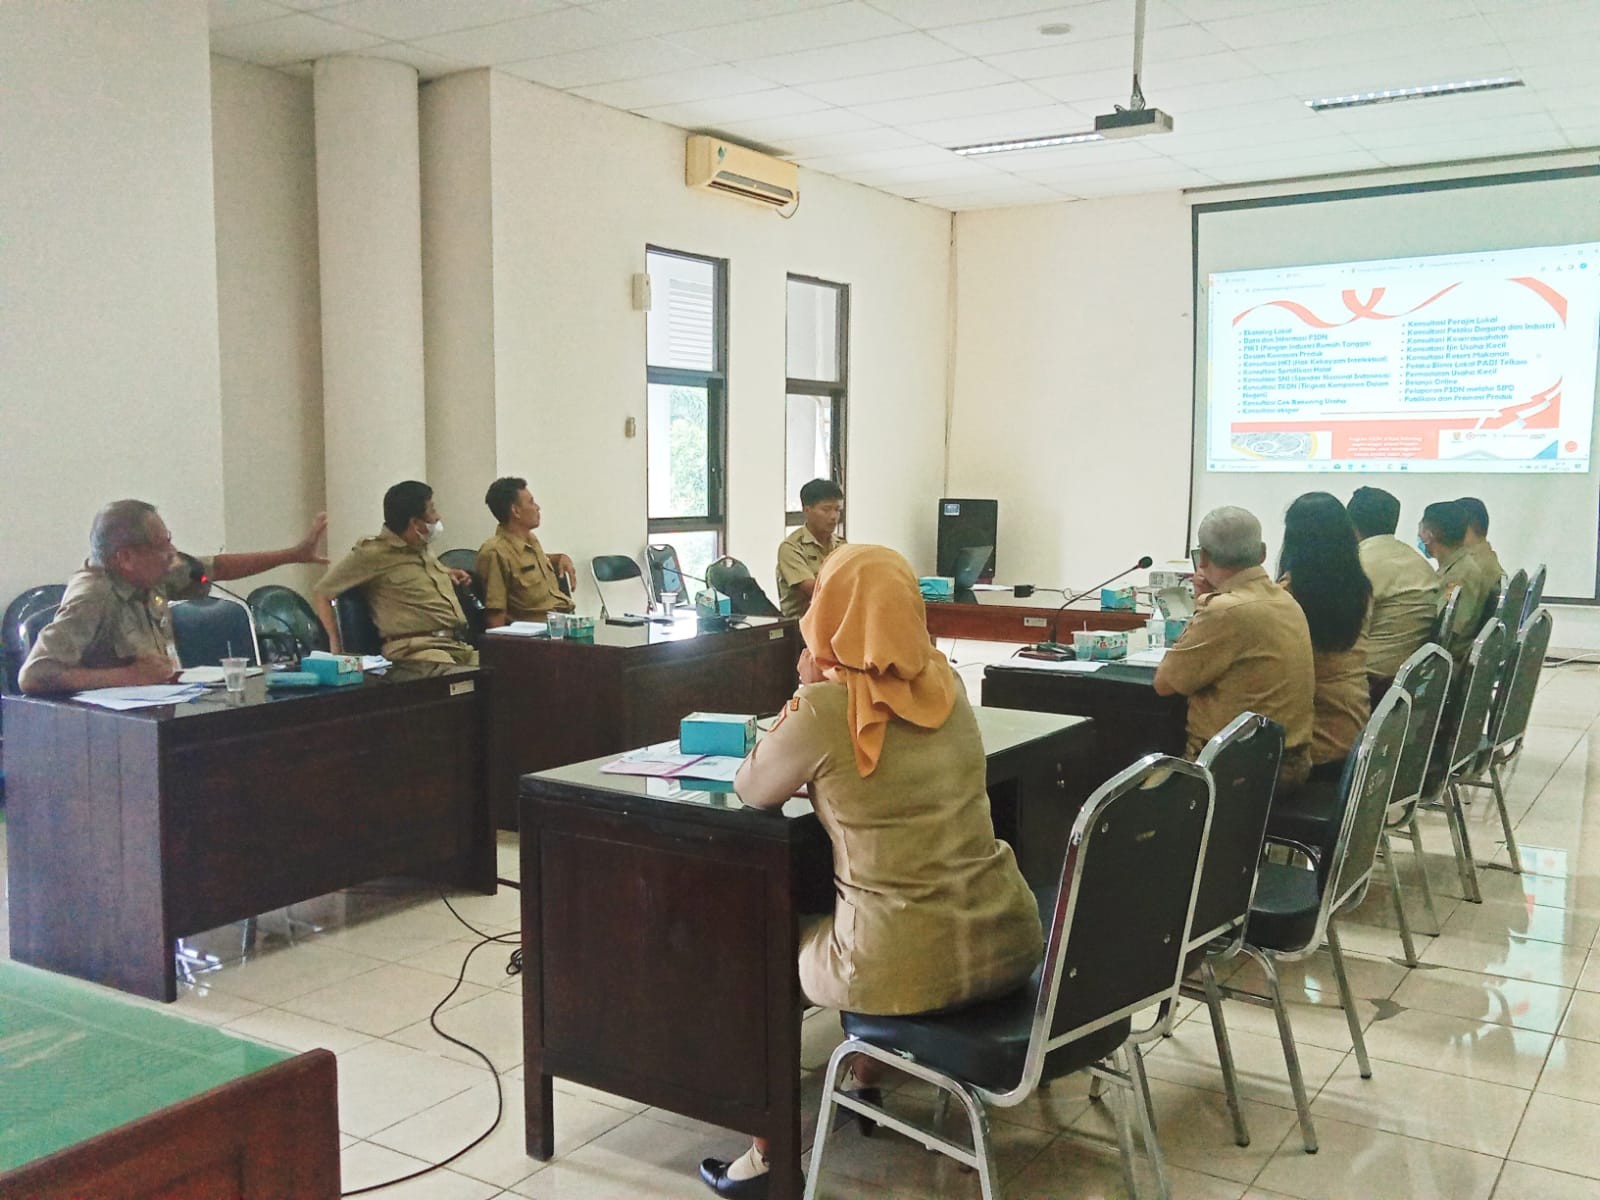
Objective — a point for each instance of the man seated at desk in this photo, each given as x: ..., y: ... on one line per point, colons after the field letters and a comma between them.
x: 411, y: 594
x: 1405, y: 590
x: 1477, y: 539
x: 1442, y: 535
x: 802, y: 553
x: 113, y: 628
x: 520, y: 582
x: 1247, y: 648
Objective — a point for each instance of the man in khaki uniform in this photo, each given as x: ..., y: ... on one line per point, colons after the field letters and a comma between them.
x: 520, y: 582
x: 1477, y: 539
x: 411, y: 594
x: 113, y: 628
x: 802, y: 553
x: 1405, y: 590
x: 1247, y: 648
x: 1443, y: 533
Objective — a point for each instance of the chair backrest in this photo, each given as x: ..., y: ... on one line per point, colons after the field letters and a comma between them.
x: 208, y: 629
x: 461, y: 559
x: 1425, y: 679
x: 620, y: 584
x: 665, y: 573
x: 22, y: 628
x: 1535, y: 593
x: 1445, y: 623
x: 358, y: 634
x: 1515, y: 701
x: 1243, y: 760
x: 1115, y: 939
x: 733, y: 579
x: 279, y: 609
x: 1513, y: 597
x: 1374, y: 765
x: 1474, y: 698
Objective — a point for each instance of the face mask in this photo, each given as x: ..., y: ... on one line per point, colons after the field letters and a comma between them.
x: 434, y: 530
x: 1422, y: 548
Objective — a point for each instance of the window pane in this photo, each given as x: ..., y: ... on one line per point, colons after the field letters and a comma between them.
x: 809, y: 443
x: 696, y: 552
x: 813, y: 331
x: 679, y: 451
x: 681, y: 329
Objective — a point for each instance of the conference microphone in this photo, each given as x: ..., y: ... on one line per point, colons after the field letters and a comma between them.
x: 1055, y: 633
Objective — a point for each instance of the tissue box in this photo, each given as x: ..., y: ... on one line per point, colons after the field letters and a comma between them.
x: 332, y: 670
x: 580, y: 629
x: 1117, y: 599
x: 706, y: 602
x: 937, y: 587
x: 733, y: 734
x: 1106, y: 645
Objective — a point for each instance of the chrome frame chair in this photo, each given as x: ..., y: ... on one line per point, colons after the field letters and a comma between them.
x: 181, y: 610
x: 1535, y: 593
x: 1425, y: 678
x: 615, y: 569
x: 1142, y: 789
x: 1340, y: 884
x: 1466, y: 717
x: 1513, y: 598
x: 25, y: 616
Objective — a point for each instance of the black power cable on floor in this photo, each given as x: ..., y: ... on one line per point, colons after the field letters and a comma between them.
x: 499, y: 1090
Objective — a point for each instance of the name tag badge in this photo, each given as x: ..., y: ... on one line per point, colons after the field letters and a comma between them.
x: 774, y: 635
x: 463, y: 687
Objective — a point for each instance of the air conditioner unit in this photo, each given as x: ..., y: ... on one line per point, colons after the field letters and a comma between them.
x: 724, y: 167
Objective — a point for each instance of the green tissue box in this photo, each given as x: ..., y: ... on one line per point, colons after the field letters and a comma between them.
x: 732, y: 734
x: 333, y: 670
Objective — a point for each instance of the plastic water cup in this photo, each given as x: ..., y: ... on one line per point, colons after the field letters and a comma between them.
x: 556, y: 623
x: 669, y: 601
x: 233, y: 673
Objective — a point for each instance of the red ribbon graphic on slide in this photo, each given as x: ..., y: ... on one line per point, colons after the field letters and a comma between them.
x: 1358, y: 307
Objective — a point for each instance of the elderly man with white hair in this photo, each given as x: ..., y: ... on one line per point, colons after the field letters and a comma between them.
x: 1247, y: 648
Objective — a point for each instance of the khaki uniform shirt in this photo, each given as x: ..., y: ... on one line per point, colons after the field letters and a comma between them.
x: 930, y: 908
x: 1247, y: 649
x: 1486, y: 552
x: 413, y: 602
x: 518, y: 579
x: 1341, y: 705
x: 104, y: 621
x: 800, y: 557
x: 1471, y: 573
x: 1405, y: 602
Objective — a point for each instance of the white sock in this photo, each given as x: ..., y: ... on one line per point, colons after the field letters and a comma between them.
x: 747, y: 1166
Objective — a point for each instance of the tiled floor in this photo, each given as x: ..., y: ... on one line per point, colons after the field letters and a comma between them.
x: 1486, y: 1058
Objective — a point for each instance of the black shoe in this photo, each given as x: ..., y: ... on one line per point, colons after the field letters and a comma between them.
x: 867, y: 1095
x: 715, y: 1173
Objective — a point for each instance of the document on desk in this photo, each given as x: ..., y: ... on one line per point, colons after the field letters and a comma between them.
x: 521, y: 629
x: 1147, y: 658
x: 149, y: 696
x: 721, y: 767
x: 664, y: 761
x: 1070, y: 666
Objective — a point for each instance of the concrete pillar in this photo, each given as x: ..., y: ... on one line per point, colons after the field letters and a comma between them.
x: 369, y: 225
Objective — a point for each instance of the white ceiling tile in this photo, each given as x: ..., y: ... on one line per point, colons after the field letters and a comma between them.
x: 1138, y: 185
x: 1102, y: 18
x: 725, y: 112
x: 914, y: 81
x: 554, y: 32
x: 1068, y: 58
x: 1126, y: 155
x: 1534, y: 125
x: 225, y: 14
x: 834, y: 25
x: 648, y: 17
x: 1436, y: 110
x: 1203, y: 68
x: 1185, y: 101
x: 775, y: 130
x: 1576, y: 18
x: 1001, y: 127
x: 944, y: 106
x: 861, y: 58
x: 1534, y: 51
x: 1221, y: 10
x: 312, y: 5
x: 1095, y: 91
x: 1333, y: 20
x: 294, y: 38
x: 1153, y: 172
x: 871, y: 160
x: 997, y: 197
x: 1243, y: 155
x: 606, y: 64
x: 1467, y: 150
x: 1416, y: 69
x: 428, y: 65
x: 947, y: 176
x: 1291, y: 168
x: 1281, y: 114
x: 860, y: 144
x: 930, y: 14
x: 673, y: 87
x: 1433, y: 41
x: 405, y: 20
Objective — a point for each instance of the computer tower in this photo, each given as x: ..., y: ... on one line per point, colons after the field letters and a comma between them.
x: 965, y: 523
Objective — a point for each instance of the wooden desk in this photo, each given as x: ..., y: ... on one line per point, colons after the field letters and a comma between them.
x: 562, y: 701
x: 1002, y: 617
x: 105, y: 1098
x: 1130, y: 720
x: 660, y: 934
x: 129, y: 830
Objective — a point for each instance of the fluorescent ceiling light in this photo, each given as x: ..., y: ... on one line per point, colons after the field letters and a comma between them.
x: 1036, y: 143
x: 1425, y: 92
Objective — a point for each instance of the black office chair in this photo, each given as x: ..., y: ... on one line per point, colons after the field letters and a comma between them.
x: 1243, y: 760
x: 1512, y: 600
x: 1444, y: 623
x: 285, y: 618
x: 733, y: 579
x: 22, y: 626
x: 621, y: 585
x: 1113, y: 947
x: 208, y: 629
x: 1535, y: 593
x: 665, y: 573
x: 357, y: 632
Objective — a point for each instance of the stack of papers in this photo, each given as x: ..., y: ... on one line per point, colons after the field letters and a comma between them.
x: 1070, y: 666
x: 664, y: 761
x: 148, y: 696
x: 1147, y: 658
x: 210, y: 676
x: 521, y: 629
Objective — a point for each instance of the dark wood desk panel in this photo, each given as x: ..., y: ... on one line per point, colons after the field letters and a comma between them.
x: 129, y: 830
x: 660, y: 931
x: 562, y: 701
x: 1130, y: 720
x: 1002, y: 617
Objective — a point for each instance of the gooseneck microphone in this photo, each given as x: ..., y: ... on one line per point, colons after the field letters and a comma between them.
x: 1055, y: 633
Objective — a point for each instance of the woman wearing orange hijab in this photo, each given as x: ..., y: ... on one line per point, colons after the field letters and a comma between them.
x: 930, y: 909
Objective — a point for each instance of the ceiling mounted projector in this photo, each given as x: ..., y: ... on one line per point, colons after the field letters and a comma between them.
x: 1136, y: 120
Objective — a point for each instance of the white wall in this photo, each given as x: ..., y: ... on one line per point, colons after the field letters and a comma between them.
x: 267, y: 309
x: 1072, y: 382
x: 579, y: 190
x: 109, y: 363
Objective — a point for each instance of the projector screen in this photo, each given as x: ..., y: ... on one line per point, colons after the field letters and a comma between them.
x: 1436, y: 341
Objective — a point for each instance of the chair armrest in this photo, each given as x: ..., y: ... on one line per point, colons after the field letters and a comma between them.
x: 1315, y: 856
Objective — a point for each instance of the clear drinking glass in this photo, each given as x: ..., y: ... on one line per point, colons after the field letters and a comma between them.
x: 556, y: 624
x: 233, y: 673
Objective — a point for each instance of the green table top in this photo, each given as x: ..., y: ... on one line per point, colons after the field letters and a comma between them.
x: 75, y: 1062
